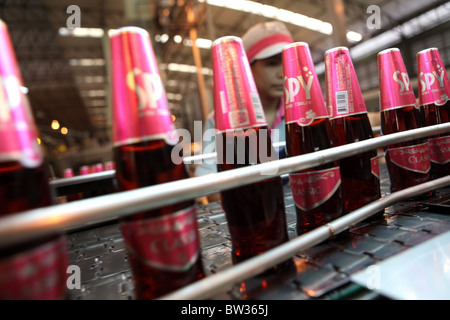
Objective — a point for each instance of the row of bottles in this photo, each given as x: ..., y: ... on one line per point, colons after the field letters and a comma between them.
x: 164, y: 244
x: 82, y: 171
x: 324, y: 193
x: 87, y: 169
x: 419, y: 160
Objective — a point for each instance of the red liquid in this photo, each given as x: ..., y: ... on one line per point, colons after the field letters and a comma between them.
x: 359, y: 185
x: 301, y: 140
x: 140, y: 165
x: 24, y: 189
x: 396, y: 120
x: 255, y: 212
x: 434, y: 114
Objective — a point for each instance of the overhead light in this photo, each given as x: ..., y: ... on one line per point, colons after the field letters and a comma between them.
x: 163, y: 38
x: 408, y: 29
x: 185, y: 68
x: 177, y: 38
x: 55, y: 125
x: 283, y: 15
x: 81, y: 32
x: 64, y: 130
x: 274, y: 13
x: 95, y: 103
x: 93, y: 93
x: 172, y: 83
x: 90, y: 79
x: 200, y: 42
x: 354, y: 36
x: 87, y: 62
x: 174, y: 96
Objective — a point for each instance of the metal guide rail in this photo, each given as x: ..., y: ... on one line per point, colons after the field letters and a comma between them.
x: 316, y: 268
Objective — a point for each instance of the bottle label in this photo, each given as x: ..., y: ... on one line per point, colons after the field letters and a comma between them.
x: 440, y: 149
x: 302, y: 93
x: 18, y: 132
x: 140, y: 107
x: 311, y: 189
x: 395, y: 86
x: 168, y: 243
x: 236, y: 98
x: 39, y: 274
x: 375, y: 167
x: 413, y: 158
x: 434, y: 85
x: 344, y: 95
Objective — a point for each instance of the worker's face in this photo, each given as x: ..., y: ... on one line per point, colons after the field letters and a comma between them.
x: 268, y: 75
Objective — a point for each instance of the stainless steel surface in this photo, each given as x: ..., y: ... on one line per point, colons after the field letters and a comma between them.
x: 421, y: 273
x: 39, y: 222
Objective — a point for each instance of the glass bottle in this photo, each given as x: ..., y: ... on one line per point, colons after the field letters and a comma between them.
x: 317, y: 191
x: 408, y: 162
x: 434, y: 98
x: 164, y: 243
x: 255, y: 212
x: 34, y: 269
x: 350, y: 123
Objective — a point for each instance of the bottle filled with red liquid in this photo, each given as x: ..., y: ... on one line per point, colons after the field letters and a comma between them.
x: 255, y: 212
x: 35, y: 269
x: 408, y: 162
x: 317, y: 192
x: 434, y: 98
x: 164, y: 243
x: 350, y: 123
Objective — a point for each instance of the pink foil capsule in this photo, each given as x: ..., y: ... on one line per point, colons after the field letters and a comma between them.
x: 434, y: 85
x: 344, y: 95
x: 395, y: 86
x: 140, y: 107
x: 19, y: 143
x: 234, y: 87
x: 302, y: 93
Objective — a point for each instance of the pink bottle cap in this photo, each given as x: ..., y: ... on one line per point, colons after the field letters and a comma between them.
x: 395, y: 87
x: 434, y: 85
x: 236, y: 99
x: 109, y: 165
x: 18, y: 132
x: 344, y: 95
x: 68, y: 173
x: 140, y: 107
x: 98, y: 167
x: 84, y: 170
x: 303, y: 96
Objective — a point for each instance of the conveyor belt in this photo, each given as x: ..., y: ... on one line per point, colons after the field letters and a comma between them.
x: 322, y: 272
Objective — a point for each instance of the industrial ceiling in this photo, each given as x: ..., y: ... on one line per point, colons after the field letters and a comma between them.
x: 66, y: 72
